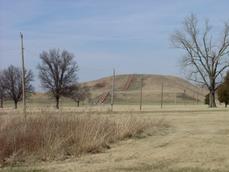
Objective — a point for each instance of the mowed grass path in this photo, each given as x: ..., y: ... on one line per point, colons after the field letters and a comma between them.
x: 197, y: 141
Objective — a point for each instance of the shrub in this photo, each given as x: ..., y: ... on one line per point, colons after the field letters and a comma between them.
x: 100, y: 85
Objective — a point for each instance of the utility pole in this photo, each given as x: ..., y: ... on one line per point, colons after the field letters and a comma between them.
x: 141, y: 92
x: 23, y: 75
x: 112, y: 90
x: 162, y: 94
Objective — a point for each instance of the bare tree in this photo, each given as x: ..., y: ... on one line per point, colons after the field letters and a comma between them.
x: 12, y: 81
x: 80, y: 93
x: 58, y: 72
x: 205, y: 58
x: 2, y: 90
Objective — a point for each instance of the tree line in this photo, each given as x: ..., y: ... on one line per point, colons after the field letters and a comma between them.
x: 58, y: 73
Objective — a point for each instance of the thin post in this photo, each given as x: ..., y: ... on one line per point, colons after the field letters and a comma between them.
x: 194, y: 99
x: 162, y: 94
x: 23, y: 76
x: 141, y: 92
x: 184, y: 97
x: 197, y: 98
x: 112, y: 90
x: 175, y: 98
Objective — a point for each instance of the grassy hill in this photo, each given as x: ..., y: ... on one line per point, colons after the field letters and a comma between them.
x: 127, y: 89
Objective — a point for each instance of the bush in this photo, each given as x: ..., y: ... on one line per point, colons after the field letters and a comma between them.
x: 100, y: 85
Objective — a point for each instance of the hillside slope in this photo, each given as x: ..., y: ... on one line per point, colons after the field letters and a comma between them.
x: 127, y: 89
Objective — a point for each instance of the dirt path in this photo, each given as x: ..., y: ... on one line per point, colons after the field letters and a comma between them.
x: 196, y: 141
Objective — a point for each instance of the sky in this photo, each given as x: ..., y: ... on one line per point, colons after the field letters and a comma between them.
x: 132, y: 36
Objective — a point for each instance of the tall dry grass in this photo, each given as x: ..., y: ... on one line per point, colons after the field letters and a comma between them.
x: 50, y: 137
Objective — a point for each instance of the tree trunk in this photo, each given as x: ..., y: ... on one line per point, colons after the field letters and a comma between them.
x: 212, y: 102
x: 57, y: 102
x: 15, y: 104
x: 1, y: 102
x: 78, y: 103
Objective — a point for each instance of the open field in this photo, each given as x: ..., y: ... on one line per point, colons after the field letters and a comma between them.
x: 196, y: 141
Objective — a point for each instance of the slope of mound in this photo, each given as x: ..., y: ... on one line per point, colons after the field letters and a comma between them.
x: 127, y: 89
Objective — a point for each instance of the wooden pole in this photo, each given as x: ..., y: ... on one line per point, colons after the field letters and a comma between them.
x: 194, y: 99
x: 197, y: 96
x: 184, y: 97
x: 23, y: 76
x: 141, y: 92
x: 112, y: 90
x: 175, y: 98
x: 162, y: 94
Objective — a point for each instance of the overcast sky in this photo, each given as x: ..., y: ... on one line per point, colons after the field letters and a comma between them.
x: 131, y: 36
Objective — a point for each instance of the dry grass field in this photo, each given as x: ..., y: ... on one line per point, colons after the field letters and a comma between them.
x: 191, y: 139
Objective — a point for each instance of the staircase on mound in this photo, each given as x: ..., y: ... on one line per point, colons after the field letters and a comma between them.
x: 102, y: 98
x: 128, y: 82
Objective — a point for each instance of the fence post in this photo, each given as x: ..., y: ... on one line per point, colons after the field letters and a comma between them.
x: 162, y: 94
x: 175, y: 98
x: 112, y: 91
x: 141, y: 92
x: 184, y: 96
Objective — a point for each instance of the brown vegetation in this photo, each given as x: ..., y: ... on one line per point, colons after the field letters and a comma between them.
x: 100, y: 85
x: 47, y: 138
